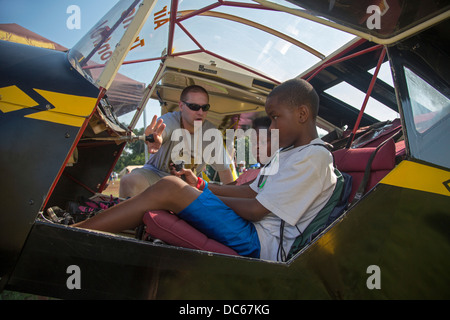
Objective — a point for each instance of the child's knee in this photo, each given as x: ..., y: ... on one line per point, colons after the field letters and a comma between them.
x: 171, y: 183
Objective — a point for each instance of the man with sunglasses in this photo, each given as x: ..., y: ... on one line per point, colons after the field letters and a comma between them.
x: 193, y: 105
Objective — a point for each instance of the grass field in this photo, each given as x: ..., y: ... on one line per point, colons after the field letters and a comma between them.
x: 112, y: 188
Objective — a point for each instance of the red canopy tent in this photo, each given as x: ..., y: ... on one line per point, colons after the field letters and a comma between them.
x: 15, y: 33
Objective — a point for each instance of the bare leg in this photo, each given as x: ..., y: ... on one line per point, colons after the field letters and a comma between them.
x: 170, y: 193
x: 132, y: 184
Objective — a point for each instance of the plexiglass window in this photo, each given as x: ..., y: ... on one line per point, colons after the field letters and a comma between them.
x: 429, y: 128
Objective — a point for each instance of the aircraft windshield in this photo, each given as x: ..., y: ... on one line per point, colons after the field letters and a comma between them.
x: 91, y: 53
x: 429, y: 131
x: 276, y: 45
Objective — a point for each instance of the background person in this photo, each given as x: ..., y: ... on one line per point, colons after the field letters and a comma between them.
x: 263, y: 145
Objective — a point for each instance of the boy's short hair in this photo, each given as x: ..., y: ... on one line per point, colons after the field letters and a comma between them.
x: 193, y: 88
x: 297, y: 92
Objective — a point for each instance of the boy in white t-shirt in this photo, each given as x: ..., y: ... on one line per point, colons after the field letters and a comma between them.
x: 260, y: 220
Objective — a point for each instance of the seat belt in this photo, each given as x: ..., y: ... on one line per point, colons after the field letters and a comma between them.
x: 362, y: 186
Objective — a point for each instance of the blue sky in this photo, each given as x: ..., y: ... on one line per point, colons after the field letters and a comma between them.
x: 48, y: 17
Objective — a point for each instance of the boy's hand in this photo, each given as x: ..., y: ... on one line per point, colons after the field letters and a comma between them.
x: 156, y: 128
x: 190, y: 177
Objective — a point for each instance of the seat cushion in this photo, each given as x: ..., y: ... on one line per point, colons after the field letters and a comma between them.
x: 163, y: 225
x: 354, y: 162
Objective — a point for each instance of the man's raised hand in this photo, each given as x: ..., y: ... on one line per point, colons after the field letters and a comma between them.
x: 155, y: 128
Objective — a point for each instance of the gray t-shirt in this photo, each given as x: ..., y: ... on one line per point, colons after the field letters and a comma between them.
x: 195, y: 150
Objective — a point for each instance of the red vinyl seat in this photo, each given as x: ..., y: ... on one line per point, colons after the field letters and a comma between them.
x: 354, y: 162
x: 165, y: 226
x: 400, y: 149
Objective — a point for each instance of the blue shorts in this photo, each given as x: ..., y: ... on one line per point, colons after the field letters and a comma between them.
x: 211, y: 216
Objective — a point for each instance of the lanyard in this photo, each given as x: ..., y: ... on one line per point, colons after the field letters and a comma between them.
x: 263, y: 177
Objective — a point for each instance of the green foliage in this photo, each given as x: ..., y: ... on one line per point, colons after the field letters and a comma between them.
x: 133, y: 154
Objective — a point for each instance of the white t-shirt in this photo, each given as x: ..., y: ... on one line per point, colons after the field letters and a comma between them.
x: 298, y: 185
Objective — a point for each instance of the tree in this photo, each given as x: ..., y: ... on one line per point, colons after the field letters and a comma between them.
x: 133, y: 154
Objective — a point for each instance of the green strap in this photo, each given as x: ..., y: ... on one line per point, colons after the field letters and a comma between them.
x: 321, y: 218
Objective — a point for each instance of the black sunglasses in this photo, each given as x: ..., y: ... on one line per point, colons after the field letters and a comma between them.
x: 196, y: 107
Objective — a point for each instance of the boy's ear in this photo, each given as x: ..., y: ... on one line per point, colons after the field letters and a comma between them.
x: 303, y: 113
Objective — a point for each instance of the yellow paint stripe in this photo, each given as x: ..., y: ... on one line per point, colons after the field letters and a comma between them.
x: 417, y: 176
x: 12, y: 99
x: 11, y: 37
x: 55, y: 117
x: 68, y: 109
x: 70, y: 104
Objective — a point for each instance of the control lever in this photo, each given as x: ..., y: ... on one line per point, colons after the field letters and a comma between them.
x: 178, y: 166
x: 148, y: 138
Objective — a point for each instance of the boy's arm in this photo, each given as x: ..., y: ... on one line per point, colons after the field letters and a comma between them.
x: 243, y: 191
x: 248, y: 208
x: 242, y: 199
